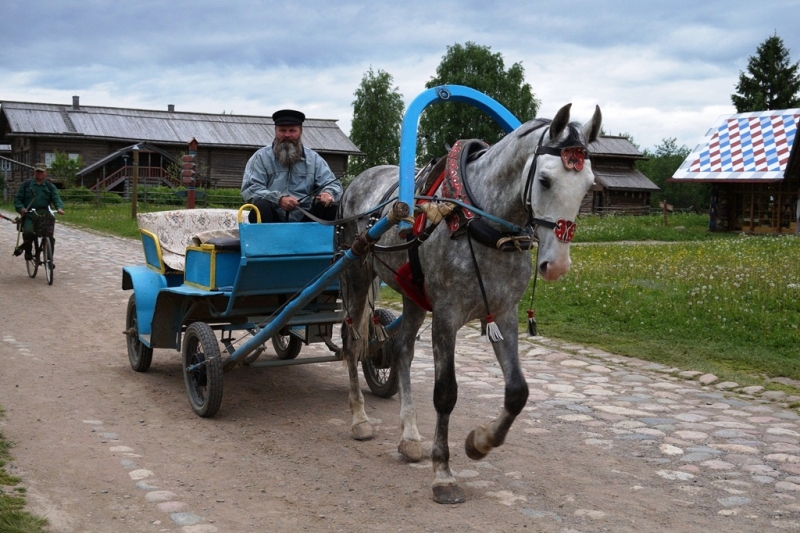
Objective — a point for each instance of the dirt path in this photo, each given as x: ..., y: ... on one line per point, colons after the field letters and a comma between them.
x: 606, y: 443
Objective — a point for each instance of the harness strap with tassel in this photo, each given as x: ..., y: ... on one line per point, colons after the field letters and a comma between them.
x: 492, y: 331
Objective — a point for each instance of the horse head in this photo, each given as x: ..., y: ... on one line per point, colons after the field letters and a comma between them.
x: 559, y: 175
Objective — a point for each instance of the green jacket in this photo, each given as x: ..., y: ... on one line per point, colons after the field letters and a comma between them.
x: 34, y: 196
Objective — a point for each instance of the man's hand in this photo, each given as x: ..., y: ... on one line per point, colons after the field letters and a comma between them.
x: 288, y: 203
x: 23, y: 212
x: 326, y: 198
x: 60, y: 211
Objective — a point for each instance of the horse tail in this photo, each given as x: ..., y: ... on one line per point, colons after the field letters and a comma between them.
x: 355, y: 330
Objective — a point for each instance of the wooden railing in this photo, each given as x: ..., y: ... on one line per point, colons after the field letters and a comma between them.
x: 147, y: 176
x: 623, y: 210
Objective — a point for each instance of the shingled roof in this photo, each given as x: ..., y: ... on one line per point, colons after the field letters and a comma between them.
x: 746, y: 147
x: 163, y: 127
x: 613, y: 158
x: 615, y: 145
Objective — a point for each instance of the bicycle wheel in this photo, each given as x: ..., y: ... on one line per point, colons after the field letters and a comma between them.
x: 33, y: 264
x: 47, y: 253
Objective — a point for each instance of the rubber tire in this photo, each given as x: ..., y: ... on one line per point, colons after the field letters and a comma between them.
x: 139, y: 355
x: 204, y: 385
x: 286, y: 346
x: 380, y: 370
x: 32, y: 265
x: 47, y: 254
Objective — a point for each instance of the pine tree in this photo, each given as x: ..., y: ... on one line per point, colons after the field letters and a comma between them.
x: 377, y: 119
x: 773, y: 82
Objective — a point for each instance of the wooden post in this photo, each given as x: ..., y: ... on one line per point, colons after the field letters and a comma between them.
x: 97, y: 188
x: 797, y: 216
x: 712, y: 209
x: 189, y: 173
x: 135, y: 185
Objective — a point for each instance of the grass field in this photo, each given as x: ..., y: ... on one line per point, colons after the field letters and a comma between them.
x: 727, y: 306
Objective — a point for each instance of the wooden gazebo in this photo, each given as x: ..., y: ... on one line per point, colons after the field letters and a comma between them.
x: 752, y: 162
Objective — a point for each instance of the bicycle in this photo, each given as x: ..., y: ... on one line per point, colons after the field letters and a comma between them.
x: 44, y: 226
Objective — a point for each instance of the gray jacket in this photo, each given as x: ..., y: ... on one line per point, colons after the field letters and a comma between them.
x: 265, y: 177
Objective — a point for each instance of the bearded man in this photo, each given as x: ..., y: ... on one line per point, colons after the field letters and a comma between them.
x: 286, y: 175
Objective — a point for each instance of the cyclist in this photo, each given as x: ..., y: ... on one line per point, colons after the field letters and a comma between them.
x: 37, y: 193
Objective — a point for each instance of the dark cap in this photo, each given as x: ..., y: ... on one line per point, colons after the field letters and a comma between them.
x: 40, y: 167
x: 288, y: 117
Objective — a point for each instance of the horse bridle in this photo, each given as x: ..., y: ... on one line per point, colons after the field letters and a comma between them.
x: 572, y: 158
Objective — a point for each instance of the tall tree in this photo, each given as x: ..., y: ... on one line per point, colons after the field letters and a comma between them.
x: 377, y: 118
x: 773, y: 82
x: 477, y: 67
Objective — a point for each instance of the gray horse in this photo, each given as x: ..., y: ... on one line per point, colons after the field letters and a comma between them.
x: 521, y: 180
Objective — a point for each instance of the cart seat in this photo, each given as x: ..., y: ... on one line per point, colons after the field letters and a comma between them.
x: 169, y: 233
x: 226, y: 244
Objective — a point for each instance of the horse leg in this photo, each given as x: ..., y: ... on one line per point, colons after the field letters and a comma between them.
x: 410, y: 446
x: 355, y: 286
x: 445, y: 394
x: 481, y: 440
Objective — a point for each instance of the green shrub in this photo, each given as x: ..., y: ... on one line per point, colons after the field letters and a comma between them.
x: 83, y: 195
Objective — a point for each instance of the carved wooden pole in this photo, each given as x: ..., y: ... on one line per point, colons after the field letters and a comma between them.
x: 135, y: 181
x: 189, y: 172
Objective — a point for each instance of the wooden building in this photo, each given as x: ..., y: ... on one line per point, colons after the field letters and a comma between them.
x: 619, y: 186
x: 752, y: 162
x: 105, y: 138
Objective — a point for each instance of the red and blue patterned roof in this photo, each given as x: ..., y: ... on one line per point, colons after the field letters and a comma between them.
x: 743, y: 147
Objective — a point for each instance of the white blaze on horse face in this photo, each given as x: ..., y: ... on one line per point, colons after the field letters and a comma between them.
x: 556, y: 195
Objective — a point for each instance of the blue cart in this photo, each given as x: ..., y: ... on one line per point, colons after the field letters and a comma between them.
x: 235, y: 288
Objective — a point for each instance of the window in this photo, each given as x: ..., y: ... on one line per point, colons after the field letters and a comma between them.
x: 50, y: 156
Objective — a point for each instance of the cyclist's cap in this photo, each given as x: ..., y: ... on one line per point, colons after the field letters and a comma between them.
x: 288, y: 117
x: 40, y: 166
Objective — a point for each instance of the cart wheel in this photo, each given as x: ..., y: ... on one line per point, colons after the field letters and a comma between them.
x: 32, y: 265
x: 139, y: 355
x: 379, y: 369
x: 47, y: 252
x: 202, y: 369
x: 286, y: 346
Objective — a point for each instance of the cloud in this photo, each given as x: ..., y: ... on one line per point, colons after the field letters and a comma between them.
x: 657, y: 70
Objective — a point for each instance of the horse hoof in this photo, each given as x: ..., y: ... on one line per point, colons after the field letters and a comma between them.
x: 448, y: 494
x: 363, y: 431
x: 411, y: 450
x: 472, y: 451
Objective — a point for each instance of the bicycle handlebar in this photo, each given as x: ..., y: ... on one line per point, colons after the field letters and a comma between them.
x: 33, y: 210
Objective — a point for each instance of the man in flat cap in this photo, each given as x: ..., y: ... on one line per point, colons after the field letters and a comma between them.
x: 286, y: 175
x: 37, y: 193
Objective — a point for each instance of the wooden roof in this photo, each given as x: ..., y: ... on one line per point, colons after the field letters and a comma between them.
x: 613, y: 159
x: 163, y: 127
x: 628, y: 179
x: 612, y: 145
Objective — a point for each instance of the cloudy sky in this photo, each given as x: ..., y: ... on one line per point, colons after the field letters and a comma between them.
x: 657, y: 69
